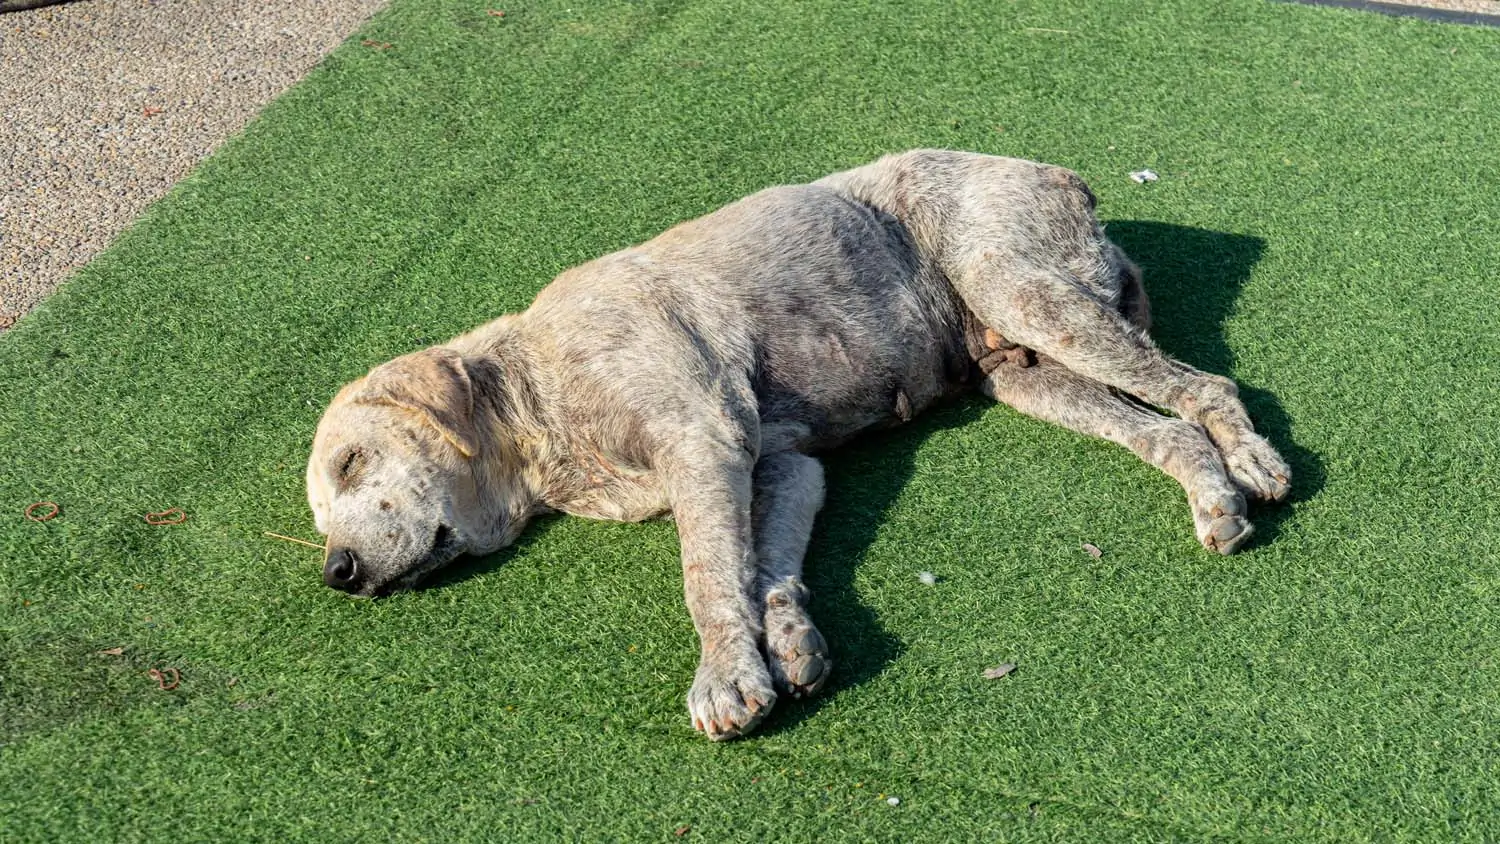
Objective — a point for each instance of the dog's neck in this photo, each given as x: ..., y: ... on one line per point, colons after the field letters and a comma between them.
x: 538, y: 457
x: 514, y: 430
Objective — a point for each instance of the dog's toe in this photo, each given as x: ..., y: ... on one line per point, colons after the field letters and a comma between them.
x: 1258, y: 470
x: 728, y: 701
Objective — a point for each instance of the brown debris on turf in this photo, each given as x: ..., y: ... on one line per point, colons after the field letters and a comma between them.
x: 47, y: 516
x: 173, y: 516
x: 1093, y: 550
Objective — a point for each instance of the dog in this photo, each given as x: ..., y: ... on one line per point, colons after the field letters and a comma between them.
x: 697, y: 375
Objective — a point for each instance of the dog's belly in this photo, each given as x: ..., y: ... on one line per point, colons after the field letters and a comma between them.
x: 816, y: 422
x: 833, y: 384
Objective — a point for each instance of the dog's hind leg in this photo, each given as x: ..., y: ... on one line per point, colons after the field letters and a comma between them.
x: 1020, y: 244
x: 788, y: 495
x: 1050, y: 391
x: 1055, y: 314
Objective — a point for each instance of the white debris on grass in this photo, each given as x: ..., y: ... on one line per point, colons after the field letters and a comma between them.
x: 927, y: 578
x: 893, y: 801
x: 1141, y: 177
x: 999, y: 671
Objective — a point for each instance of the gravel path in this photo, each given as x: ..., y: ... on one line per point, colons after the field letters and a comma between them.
x: 107, y: 103
x: 1483, y: 7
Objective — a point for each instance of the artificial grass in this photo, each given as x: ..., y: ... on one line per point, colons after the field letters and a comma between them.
x: 1325, y: 230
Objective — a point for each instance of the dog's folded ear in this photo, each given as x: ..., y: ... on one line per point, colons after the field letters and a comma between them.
x: 434, y: 383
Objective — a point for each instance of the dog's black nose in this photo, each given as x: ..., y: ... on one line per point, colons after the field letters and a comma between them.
x: 342, y: 570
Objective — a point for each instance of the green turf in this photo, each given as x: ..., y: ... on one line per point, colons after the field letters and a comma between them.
x: 1326, y: 229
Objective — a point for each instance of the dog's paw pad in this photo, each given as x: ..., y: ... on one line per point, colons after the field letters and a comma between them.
x: 799, y: 659
x: 1226, y: 534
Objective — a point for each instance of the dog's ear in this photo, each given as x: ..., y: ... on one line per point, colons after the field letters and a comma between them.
x: 434, y: 383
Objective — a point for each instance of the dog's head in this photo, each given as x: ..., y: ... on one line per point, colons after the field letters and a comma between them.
x: 398, y: 480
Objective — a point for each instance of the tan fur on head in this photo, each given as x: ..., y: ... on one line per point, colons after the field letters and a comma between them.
x: 433, y: 383
x: 395, y: 475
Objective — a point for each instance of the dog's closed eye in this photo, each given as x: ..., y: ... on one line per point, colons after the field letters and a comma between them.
x: 348, y: 464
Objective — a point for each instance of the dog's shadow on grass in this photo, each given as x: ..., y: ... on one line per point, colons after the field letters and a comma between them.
x: 469, y: 566
x: 864, y: 479
x: 1193, y: 277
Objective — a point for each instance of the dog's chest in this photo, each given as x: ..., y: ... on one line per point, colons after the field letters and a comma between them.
x: 597, y: 488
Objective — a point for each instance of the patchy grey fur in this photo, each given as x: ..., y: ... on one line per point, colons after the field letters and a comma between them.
x: 694, y: 374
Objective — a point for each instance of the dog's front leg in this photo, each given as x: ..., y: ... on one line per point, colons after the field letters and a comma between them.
x: 788, y: 495
x: 711, y: 494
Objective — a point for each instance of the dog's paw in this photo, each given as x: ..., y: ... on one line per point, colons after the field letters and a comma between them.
x: 1219, y: 516
x: 798, y: 656
x: 1226, y: 534
x: 729, y: 698
x: 796, y: 651
x: 1258, y: 470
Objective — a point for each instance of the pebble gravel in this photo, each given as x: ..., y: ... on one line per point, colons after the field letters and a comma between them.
x: 105, y: 104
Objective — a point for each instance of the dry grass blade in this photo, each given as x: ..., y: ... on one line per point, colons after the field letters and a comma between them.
x: 316, y: 545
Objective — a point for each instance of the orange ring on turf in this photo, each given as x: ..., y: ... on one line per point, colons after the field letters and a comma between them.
x: 174, y: 516
x: 31, y: 511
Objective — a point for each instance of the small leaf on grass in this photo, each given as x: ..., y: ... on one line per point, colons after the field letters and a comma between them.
x: 113, y: 651
x: 999, y: 671
x: 1093, y: 550
x: 682, y: 830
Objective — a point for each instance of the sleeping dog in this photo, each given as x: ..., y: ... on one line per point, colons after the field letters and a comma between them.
x: 696, y: 376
